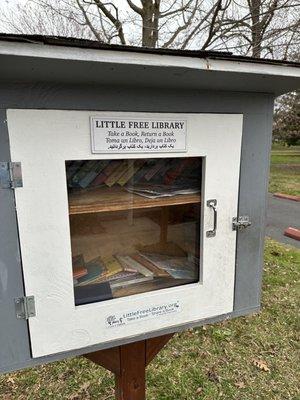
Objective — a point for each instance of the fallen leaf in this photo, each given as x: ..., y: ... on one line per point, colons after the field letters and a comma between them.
x: 213, y: 376
x: 262, y: 365
x: 240, y: 385
x: 176, y: 353
x: 199, y: 390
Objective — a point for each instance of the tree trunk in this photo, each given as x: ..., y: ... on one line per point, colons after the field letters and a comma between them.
x: 256, y: 34
x: 150, y: 18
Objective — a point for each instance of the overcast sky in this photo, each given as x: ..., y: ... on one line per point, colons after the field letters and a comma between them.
x: 11, y: 4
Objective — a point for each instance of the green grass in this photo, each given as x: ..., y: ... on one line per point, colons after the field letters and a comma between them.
x: 285, y: 170
x: 213, y: 362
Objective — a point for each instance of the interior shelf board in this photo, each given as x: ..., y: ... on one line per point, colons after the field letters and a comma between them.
x: 106, y: 199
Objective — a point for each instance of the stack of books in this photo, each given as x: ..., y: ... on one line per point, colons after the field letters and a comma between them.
x: 149, y: 178
x: 121, y: 271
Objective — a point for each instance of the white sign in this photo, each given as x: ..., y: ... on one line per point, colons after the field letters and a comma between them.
x: 124, y: 135
x: 125, y: 318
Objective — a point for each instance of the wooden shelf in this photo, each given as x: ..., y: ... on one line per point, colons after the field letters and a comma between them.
x: 106, y: 199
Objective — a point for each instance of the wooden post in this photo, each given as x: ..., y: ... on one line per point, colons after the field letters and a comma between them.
x: 128, y: 363
x: 130, y: 382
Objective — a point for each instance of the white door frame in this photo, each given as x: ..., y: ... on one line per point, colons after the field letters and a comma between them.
x: 42, y: 140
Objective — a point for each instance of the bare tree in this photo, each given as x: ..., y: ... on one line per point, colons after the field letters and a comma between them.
x: 262, y: 28
x: 150, y: 23
x: 31, y: 19
x: 250, y: 27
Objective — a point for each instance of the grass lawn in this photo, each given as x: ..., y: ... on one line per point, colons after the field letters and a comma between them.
x: 254, y: 357
x: 285, y: 170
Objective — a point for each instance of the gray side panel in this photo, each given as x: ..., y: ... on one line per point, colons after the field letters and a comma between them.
x: 257, y: 110
x: 255, y: 161
x: 14, y: 344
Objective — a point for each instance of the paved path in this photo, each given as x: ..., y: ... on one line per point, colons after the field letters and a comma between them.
x: 281, y: 214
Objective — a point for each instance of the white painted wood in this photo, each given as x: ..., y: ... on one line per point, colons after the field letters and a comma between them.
x: 42, y: 141
x: 132, y: 58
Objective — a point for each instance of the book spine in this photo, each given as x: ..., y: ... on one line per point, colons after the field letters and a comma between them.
x: 109, y: 169
x: 154, y: 170
x: 131, y: 263
x: 149, y: 265
x: 90, y: 176
x: 116, y: 175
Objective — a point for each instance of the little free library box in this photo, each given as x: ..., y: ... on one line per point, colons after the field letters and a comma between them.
x: 133, y: 188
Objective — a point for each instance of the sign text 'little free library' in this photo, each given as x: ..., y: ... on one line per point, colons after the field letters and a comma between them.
x: 123, y: 135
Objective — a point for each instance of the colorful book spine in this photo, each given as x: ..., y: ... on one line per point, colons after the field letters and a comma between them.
x: 95, y: 270
x: 134, y: 281
x: 150, y: 266
x: 174, y: 173
x: 108, y: 170
x: 90, y: 176
x: 112, y: 265
x: 130, y: 263
x: 72, y: 169
x: 116, y: 175
x: 132, y: 169
x: 79, y: 272
x: 85, y: 169
x: 155, y: 169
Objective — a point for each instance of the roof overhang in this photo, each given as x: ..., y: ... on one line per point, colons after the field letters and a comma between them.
x: 38, y: 62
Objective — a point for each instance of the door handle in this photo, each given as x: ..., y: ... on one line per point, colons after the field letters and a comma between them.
x: 213, y: 205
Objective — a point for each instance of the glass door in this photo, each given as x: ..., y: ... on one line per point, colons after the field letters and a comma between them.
x: 134, y: 224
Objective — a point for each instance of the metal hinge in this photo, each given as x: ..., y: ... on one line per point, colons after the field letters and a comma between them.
x: 10, y: 175
x: 240, y: 223
x: 25, y: 307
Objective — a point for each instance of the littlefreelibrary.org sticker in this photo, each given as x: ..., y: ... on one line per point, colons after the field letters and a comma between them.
x: 142, y: 314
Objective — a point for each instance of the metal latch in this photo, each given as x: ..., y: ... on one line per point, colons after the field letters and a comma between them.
x: 10, y: 175
x: 25, y: 307
x: 240, y: 223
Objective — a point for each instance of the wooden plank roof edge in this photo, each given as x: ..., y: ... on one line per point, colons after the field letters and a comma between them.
x: 91, y: 44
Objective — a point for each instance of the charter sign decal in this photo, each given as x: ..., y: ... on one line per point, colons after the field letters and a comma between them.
x: 142, y: 314
x: 121, y: 135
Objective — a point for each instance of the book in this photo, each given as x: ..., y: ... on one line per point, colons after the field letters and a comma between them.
x: 112, y: 265
x: 112, y: 166
x: 154, y: 170
x: 175, y: 172
x: 72, y: 167
x: 132, y: 264
x: 81, y: 173
x: 95, y: 269
x: 116, y: 174
x: 150, y: 266
x: 121, y: 275
x: 91, y: 175
x: 111, y: 268
x: 138, y: 278
x: 79, y: 272
x: 78, y: 266
x: 140, y: 174
x: 92, y: 293
x: 177, y: 267
x: 130, y: 172
x: 158, y: 190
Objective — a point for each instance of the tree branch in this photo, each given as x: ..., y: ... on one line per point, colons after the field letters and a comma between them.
x: 135, y: 8
x: 115, y: 20
x: 88, y: 22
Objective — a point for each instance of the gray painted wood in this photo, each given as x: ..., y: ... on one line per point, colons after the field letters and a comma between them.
x: 64, y: 70
x: 14, y: 344
x: 257, y: 110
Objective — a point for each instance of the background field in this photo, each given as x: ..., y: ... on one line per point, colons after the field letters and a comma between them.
x: 285, y: 170
x: 255, y: 357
